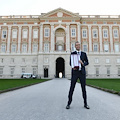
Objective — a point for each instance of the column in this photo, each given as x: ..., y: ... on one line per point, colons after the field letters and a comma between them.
x: 19, y: 39
x: 29, y: 47
x: 52, y: 38
x: 79, y: 36
x: 8, y: 42
x: 67, y: 38
x: 100, y: 38
x: 90, y: 42
x: 111, y: 40
x: 41, y: 38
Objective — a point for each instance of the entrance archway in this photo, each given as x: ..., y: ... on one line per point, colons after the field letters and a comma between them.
x: 60, y: 67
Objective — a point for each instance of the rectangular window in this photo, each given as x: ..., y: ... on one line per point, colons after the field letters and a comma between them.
x: 35, y: 33
x: 25, y: 32
x: 107, y: 60
x: 106, y: 48
x: 72, y: 46
x: 46, y: 47
x: 116, y: 48
x: 96, y: 60
x: 24, y: 48
x: 118, y: 71
x: 1, y: 60
x: 97, y: 71
x: 73, y: 32
x: 35, y: 47
x: 23, y: 60
x: 34, y: 70
x: 13, y: 48
x: 95, y: 48
x: 94, y: 33
x: 85, y: 48
x: 12, y: 69
x: 14, y: 34
x: 12, y: 60
x: 115, y: 32
x: 46, y: 32
x: 23, y: 70
x: 108, y: 71
x: 4, y: 34
x: 105, y: 33
x: 3, y: 48
x: 84, y: 33
x: 1, y: 71
x: 118, y: 60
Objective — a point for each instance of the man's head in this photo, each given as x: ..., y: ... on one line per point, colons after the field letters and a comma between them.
x: 77, y: 45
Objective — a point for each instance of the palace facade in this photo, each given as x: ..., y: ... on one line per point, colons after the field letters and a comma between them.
x: 41, y: 44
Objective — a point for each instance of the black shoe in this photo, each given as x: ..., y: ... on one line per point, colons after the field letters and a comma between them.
x: 68, y: 107
x: 86, y: 106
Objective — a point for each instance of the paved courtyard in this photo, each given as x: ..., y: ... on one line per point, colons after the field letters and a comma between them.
x: 47, y: 101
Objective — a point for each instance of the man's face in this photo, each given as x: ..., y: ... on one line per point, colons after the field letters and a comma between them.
x: 77, y: 46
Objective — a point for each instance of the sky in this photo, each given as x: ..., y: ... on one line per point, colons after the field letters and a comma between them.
x: 36, y: 7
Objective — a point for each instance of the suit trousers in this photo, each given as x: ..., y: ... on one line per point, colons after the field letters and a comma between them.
x: 75, y: 75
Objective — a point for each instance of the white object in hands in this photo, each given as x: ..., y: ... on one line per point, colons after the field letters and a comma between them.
x: 75, y: 58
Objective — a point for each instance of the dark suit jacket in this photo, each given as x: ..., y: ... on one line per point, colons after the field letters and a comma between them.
x: 84, y: 59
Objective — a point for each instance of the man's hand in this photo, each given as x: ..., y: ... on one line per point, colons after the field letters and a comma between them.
x: 81, y: 62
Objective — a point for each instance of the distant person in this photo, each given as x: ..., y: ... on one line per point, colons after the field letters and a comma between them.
x: 78, y: 72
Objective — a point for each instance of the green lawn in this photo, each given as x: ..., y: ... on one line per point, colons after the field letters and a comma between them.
x: 111, y: 84
x: 6, y: 84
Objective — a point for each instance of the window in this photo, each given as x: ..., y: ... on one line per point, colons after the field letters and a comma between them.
x: 46, y: 47
x: 34, y: 61
x: 72, y: 46
x: 46, y: 32
x: 25, y: 32
x: 95, y: 48
x: 34, y: 70
x: 97, y: 71
x: 84, y: 33
x: 4, y: 34
x: 108, y: 71
x: 23, y: 60
x: 115, y: 32
x: 1, y: 71
x: 12, y: 69
x: 94, y: 22
x: 12, y: 60
x: 35, y: 47
x: 3, y: 48
x: 105, y: 33
x: 96, y: 60
x: 94, y: 33
x: 73, y: 32
x: 35, y: 33
x: 107, y: 60
x: 1, y: 60
x: 118, y: 71
x: 13, y: 48
x: 23, y: 70
x: 116, y: 48
x: 60, y: 47
x: 106, y: 48
x: 118, y: 60
x: 24, y: 48
x: 14, y: 33
x: 85, y: 48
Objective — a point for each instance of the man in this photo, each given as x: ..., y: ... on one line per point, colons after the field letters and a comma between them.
x: 78, y: 72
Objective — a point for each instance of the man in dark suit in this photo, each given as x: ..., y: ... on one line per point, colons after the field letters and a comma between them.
x: 80, y: 73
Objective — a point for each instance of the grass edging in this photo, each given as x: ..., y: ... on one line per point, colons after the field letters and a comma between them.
x: 15, y: 88
x: 106, y: 90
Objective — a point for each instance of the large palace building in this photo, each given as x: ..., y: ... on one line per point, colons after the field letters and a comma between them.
x: 41, y: 44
